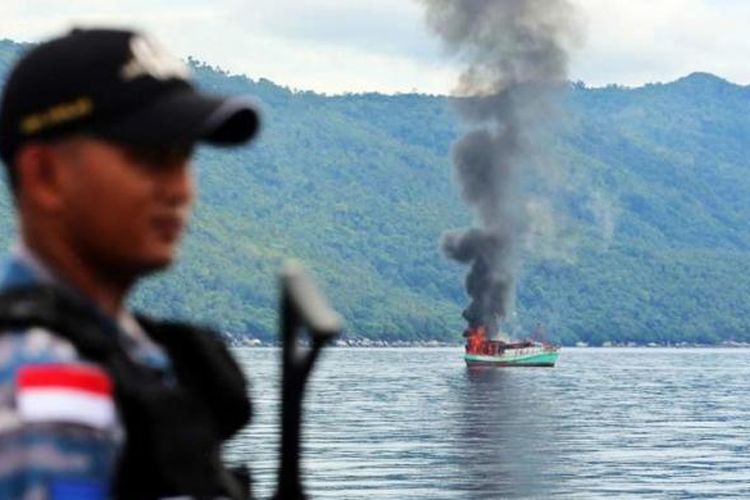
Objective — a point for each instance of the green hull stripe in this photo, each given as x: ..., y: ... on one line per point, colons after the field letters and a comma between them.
x: 528, y: 359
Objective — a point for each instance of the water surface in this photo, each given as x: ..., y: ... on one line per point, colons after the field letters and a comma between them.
x: 417, y: 424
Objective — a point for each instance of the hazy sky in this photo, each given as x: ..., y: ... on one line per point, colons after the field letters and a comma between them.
x: 382, y: 45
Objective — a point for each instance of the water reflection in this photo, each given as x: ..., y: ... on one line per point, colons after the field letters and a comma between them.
x: 503, y: 433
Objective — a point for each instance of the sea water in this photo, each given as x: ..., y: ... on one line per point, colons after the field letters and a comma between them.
x: 416, y: 423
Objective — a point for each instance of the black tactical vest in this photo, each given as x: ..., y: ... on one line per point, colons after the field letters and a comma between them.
x: 174, y: 431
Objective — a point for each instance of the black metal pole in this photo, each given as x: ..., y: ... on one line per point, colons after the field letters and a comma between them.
x: 289, y: 481
x: 302, y: 307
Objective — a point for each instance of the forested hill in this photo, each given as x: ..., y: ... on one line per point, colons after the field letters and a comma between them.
x: 654, y: 239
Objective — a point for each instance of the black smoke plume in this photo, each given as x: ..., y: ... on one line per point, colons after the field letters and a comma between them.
x: 515, y: 54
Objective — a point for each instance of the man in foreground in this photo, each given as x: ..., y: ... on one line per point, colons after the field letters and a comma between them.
x: 97, y: 129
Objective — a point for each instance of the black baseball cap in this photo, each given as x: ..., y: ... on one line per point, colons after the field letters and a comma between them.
x: 117, y: 85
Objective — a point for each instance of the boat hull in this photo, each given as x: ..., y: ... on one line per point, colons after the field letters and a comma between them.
x: 546, y: 358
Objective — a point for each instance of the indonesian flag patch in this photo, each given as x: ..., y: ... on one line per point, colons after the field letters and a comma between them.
x: 72, y: 393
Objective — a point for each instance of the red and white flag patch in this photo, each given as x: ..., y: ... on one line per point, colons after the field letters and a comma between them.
x: 73, y: 393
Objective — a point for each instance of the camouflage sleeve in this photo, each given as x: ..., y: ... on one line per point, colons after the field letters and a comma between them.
x: 58, y: 428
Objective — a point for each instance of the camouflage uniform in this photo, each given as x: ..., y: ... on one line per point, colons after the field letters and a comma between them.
x: 56, y: 455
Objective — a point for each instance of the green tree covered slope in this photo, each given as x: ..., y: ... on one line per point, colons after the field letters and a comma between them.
x: 654, y: 236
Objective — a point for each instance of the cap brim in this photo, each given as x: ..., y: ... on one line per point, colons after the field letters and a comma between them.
x: 188, y: 117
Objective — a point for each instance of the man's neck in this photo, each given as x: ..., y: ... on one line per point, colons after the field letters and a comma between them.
x: 69, y: 269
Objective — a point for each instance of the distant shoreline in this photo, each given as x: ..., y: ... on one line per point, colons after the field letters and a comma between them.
x: 400, y: 344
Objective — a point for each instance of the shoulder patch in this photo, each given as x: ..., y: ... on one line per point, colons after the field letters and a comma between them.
x: 75, y: 393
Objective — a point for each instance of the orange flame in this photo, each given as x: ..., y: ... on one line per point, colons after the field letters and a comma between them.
x: 476, y: 338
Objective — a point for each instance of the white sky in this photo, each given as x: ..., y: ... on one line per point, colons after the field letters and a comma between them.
x: 337, y: 46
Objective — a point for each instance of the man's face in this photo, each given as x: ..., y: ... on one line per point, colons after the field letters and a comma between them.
x: 124, y: 210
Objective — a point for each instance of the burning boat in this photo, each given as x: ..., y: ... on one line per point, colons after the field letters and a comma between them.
x: 482, y: 351
x: 516, y: 55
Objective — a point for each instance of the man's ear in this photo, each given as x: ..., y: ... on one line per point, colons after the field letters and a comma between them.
x: 39, y: 169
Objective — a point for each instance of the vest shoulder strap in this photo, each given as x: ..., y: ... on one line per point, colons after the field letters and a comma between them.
x: 49, y: 307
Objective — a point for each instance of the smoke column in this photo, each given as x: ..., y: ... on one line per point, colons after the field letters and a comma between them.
x: 515, y: 53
